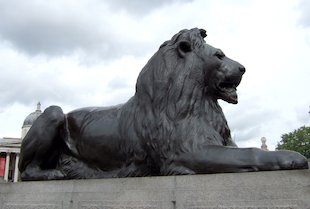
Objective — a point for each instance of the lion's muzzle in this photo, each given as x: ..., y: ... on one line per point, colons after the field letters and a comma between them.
x: 232, y: 73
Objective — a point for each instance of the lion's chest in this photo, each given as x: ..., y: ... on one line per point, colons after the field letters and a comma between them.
x: 203, y: 131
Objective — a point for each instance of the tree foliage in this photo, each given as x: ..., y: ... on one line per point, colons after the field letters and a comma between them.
x: 298, y: 140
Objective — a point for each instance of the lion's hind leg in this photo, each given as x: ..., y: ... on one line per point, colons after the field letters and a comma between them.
x: 75, y: 168
x: 42, y: 146
x: 34, y: 172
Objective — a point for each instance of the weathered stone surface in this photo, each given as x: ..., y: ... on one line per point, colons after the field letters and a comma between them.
x: 259, y: 190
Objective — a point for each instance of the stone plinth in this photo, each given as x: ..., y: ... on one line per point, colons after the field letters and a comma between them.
x: 259, y: 190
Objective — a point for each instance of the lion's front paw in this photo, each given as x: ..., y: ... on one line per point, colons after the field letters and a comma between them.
x: 291, y: 160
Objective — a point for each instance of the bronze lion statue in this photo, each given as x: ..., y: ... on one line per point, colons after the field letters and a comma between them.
x: 172, y: 125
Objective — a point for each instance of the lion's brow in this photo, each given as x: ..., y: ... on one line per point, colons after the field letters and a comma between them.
x: 219, y: 52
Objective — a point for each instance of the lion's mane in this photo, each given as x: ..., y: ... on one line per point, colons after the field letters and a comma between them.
x: 169, y: 98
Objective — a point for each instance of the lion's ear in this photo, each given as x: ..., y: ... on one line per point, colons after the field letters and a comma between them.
x: 184, y: 47
x: 203, y: 33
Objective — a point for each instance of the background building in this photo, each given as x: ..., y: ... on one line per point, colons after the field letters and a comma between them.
x: 10, y: 149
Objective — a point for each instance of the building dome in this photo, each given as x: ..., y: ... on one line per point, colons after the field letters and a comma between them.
x: 30, y: 120
x: 33, y: 116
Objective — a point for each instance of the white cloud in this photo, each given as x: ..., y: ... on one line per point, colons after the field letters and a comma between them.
x: 81, y: 53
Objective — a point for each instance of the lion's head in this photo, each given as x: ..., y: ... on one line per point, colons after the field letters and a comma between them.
x: 186, y: 70
x: 175, y: 106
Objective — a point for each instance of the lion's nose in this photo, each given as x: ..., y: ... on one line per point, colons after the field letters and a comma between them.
x: 242, y: 69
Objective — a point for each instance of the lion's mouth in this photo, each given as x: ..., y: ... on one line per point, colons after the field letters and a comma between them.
x: 228, y: 91
x: 227, y: 86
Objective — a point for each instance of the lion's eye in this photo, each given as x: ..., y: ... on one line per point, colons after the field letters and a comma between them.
x: 219, y: 55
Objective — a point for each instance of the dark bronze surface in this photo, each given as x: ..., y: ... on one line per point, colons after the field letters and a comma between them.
x: 172, y: 125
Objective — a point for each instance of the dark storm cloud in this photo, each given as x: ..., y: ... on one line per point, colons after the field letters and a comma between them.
x: 138, y: 7
x: 34, y: 28
x: 57, y: 28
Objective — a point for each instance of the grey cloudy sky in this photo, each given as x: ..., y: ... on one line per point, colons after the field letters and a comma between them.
x: 77, y: 53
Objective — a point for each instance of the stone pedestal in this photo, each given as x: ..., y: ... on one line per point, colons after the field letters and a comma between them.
x: 259, y: 190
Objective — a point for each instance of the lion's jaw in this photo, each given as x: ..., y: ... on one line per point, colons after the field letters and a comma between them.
x: 227, y: 89
x: 226, y: 79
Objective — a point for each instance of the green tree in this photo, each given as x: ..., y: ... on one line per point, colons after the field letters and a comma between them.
x: 298, y: 140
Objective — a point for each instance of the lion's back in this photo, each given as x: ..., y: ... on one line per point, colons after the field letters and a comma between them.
x: 94, y: 128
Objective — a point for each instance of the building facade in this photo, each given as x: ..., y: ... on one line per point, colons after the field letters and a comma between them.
x: 10, y: 149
